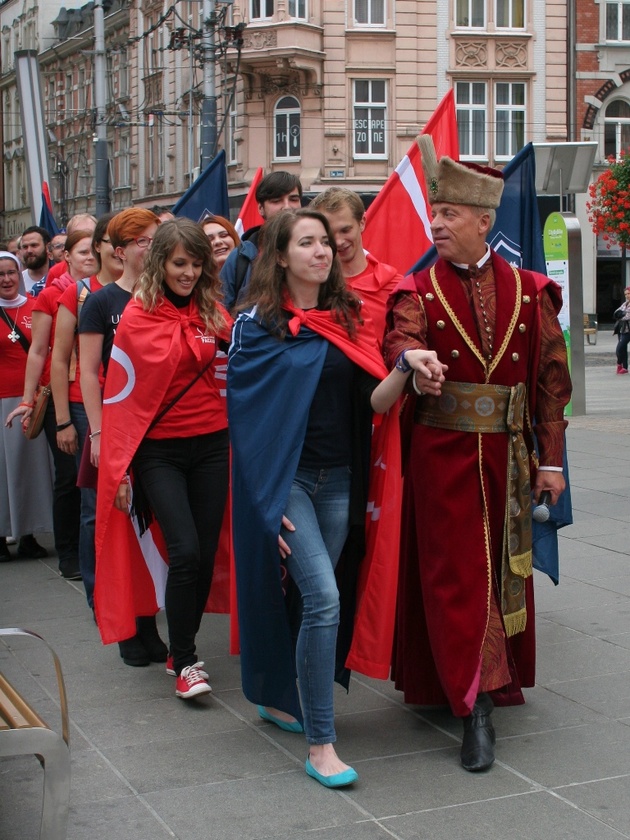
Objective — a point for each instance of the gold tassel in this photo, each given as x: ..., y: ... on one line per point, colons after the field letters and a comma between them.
x: 515, y: 622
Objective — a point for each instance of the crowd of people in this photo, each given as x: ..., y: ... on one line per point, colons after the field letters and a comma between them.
x: 365, y: 412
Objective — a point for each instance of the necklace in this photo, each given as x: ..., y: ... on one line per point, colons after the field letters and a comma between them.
x: 13, y: 335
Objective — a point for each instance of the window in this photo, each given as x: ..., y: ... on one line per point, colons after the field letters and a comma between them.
x: 510, y: 14
x: 470, y: 13
x: 617, y: 128
x: 618, y: 21
x: 69, y: 96
x: 287, y: 117
x: 369, y: 12
x: 81, y: 89
x: 260, y: 9
x: 297, y: 9
x: 510, y: 118
x: 370, y: 114
x: 472, y: 117
x: 123, y: 73
x: 124, y: 169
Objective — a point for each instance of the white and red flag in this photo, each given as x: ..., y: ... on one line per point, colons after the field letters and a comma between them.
x: 397, y: 229
x: 249, y: 216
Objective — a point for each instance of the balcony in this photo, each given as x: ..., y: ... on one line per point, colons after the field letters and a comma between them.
x: 283, y: 54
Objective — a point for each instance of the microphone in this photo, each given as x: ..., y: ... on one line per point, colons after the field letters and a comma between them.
x: 541, y: 511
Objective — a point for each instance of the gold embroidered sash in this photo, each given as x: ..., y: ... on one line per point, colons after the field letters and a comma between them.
x: 470, y: 407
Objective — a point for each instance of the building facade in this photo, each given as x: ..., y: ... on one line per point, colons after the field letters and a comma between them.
x: 602, y: 92
x: 332, y: 90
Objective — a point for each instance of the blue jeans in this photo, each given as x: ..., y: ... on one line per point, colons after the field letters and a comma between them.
x: 622, y: 349
x: 319, y: 507
x: 87, y: 522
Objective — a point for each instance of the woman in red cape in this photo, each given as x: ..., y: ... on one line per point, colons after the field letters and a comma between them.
x: 164, y: 421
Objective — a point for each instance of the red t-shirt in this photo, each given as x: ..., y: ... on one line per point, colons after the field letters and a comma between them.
x: 47, y: 301
x: 202, y: 409
x: 70, y: 299
x: 12, y: 354
x: 56, y: 271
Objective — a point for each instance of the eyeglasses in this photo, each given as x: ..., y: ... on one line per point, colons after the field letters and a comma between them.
x: 58, y: 246
x: 142, y: 241
x: 12, y: 272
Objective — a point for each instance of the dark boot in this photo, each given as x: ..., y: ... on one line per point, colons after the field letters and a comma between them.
x: 134, y: 653
x: 477, y: 751
x: 150, y: 638
x: 29, y: 547
x: 5, y: 554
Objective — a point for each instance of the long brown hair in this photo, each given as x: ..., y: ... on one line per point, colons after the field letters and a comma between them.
x: 268, y: 285
x: 207, y: 291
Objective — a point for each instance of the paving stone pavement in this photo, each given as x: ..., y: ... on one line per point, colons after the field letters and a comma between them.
x: 148, y: 766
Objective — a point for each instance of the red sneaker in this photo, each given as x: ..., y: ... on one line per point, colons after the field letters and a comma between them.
x: 190, y: 683
x: 170, y: 668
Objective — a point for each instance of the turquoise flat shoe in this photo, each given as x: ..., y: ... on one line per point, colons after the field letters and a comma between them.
x: 295, y: 726
x: 335, y: 781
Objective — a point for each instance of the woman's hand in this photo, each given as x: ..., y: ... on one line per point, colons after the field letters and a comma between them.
x: 68, y: 440
x: 95, y: 450
x: 123, y: 496
x: 282, y: 545
x: 23, y: 410
x: 428, y: 371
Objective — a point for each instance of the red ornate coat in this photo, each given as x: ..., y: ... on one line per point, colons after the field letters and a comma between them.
x: 450, y: 643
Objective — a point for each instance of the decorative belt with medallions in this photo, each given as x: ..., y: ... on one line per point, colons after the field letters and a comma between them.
x: 486, y: 409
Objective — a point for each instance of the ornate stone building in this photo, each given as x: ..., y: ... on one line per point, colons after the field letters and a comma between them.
x: 602, y: 93
x: 334, y: 90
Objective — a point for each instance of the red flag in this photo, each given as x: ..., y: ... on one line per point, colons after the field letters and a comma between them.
x: 46, y: 195
x: 249, y: 216
x: 397, y: 223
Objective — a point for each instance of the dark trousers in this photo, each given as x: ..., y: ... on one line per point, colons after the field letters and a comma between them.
x: 66, y: 498
x: 185, y: 482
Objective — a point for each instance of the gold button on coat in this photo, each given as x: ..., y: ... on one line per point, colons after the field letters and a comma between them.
x: 526, y: 299
x: 515, y: 357
x: 522, y: 328
x: 440, y: 325
x: 455, y: 354
x: 429, y: 296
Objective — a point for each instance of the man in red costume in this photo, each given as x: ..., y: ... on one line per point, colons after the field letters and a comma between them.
x: 371, y: 280
x: 465, y: 621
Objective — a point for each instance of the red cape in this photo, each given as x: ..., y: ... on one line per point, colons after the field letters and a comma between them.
x: 131, y: 571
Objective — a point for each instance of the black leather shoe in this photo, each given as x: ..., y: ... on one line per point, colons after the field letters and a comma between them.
x: 150, y: 638
x: 29, y: 547
x: 5, y: 554
x: 134, y: 653
x: 477, y: 751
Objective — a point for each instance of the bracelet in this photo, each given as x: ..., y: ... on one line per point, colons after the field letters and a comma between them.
x: 125, y: 479
x: 61, y: 426
x: 402, y: 364
x: 92, y: 435
x: 415, y: 387
x: 26, y: 405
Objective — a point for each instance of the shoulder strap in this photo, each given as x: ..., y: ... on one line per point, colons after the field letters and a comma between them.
x: 187, y: 387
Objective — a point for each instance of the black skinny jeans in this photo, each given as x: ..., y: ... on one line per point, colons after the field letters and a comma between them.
x: 185, y: 481
x: 66, y: 510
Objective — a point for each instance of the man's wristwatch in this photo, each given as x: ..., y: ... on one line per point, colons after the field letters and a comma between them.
x: 402, y: 364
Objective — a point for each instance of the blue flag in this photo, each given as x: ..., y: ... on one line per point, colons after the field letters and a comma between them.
x: 46, y: 218
x: 517, y: 237
x: 208, y: 194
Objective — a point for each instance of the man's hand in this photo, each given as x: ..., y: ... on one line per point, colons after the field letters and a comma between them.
x: 550, y: 480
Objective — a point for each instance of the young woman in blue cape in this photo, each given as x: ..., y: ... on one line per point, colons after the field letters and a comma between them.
x: 304, y: 378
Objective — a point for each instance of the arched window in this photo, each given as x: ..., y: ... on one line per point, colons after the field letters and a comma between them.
x: 286, y: 122
x: 617, y: 128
